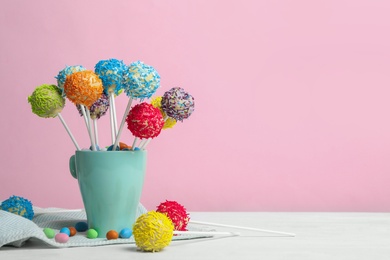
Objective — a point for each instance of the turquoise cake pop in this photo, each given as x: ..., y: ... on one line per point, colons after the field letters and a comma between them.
x: 69, y: 70
x: 111, y: 72
x: 19, y: 206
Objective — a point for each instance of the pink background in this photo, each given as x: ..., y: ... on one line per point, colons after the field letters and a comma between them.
x: 292, y: 110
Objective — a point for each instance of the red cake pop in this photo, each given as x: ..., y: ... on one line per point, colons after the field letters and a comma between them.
x: 145, y: 121
x: 176, y: 212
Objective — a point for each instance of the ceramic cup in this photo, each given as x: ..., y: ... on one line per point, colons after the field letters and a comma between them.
x: 110, y: 184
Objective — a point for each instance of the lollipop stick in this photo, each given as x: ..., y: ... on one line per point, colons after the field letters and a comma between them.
x: 143, y: 146
x: 87, y: 115
x: 85, y: 118
x: 133, y: 145
x: 111, y: 121
x: 244, y: 228
x: 205, y: 233
x: 118, y: 136
x: 114, y: 114
x: 95, y: 128
x: 68, y: 130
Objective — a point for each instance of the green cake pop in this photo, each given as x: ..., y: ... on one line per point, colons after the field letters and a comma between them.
x: 46, y: 101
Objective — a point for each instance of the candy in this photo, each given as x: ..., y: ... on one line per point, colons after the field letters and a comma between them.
x: 69, y: 70
x: 46, y: 101
x: 72, y: 231
x: 125, y: 233
x: 61, y: 238
x: 81, y: 226
x: 111, y: 73
x: 92, y: 233
x: 175, y: 212
x: 153, y: 231
x: 123, y: 146
x: 19, y: 206
x: 169, y: 121
x: 112, y: 234
x: 145, y: 121
x: 65, y: 230
x: 177, y: 103
x: 98, y: 109
x: 83, y: 87
x: 49, y: 232
x: 141, y: 81
x: 112, y: 147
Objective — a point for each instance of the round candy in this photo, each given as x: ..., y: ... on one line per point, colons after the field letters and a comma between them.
x: 98, y: 109
x: 72, y: 231
x: 112, y: 234
x: 92, y: 233
x: 169, y: 122
x: 49, y: 232
x: 123, y: 146
x: 111, y: 73
x: 81, y: 226
x: 69, y: 70
x: 175, y: 212
x: 145, y: 121
x: 65, y: 230
x: 111, y: 147
x: 152, y: 231
x: 46, y: 101
x: 177, y: 103
x: 125, y: 233
x: 83, y: 87
x: 19, y: 206
x: 141, y: 81
x: 61, y: 238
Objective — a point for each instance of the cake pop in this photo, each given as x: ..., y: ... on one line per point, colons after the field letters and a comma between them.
x: 177, y: 103
x: 98, y: 109
x: 69, y: 70
x: 145, y: 121
x: 169, y: 122
x: 46, y: 101
x: 83, y: 88
x: 19, y: 206
x: 153, y: 231
x: 140, y: 82
x: 176, y: 213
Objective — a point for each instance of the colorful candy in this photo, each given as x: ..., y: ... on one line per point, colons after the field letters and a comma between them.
x: 65, y: 230
x: 69, y: 70
x: 83, y: 87
x: 177, y: 103
x: 169, y: 121
x: 145, y: 121
x: 111, y: 72
x: 61, y: 238
x: 176, y: 213
x: 46, y: 101
x: 49, y: 233
x: 81, y: 226
x: 125, y: 233
x: 19, y: 206
x: 153, y: 231
x: 72, y: 231
x: 92, y: 233
x: 98, y: 109
x: 141, y: 81
x: 112, y: 234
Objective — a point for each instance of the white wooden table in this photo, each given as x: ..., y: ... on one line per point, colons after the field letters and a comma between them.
x: 327, y: 236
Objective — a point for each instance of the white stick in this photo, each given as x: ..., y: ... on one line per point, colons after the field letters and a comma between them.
x: 68, y: 130
x: 205, y: 233
x: 95, y: 128
x: 85, y: 118
x: 114, y: 114
x: 240, y: 227
x: 118, y: 136
x: 111, y: 120
x: 133, y: 145
x: 145, y: 144
x: 87, y: 115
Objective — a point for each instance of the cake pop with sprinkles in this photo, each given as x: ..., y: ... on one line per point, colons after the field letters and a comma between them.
x: 169, y: 121
x: 111, y: 73
x: 177, y: 103
x: 19, y: 206
x: 176, y: 213
x: 46, y: 101
x: 145, y: 121
x: 83, y: 87
x: 141, y: 81
x: 68, y: 70
x: 153, y: 231
x: 98, y: 109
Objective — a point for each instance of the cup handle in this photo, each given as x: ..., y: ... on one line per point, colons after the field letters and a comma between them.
x: 72, y: 166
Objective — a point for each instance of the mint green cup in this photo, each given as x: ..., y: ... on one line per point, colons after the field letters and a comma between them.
x: 110, y: 184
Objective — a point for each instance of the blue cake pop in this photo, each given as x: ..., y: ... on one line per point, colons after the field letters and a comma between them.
x: 142, y: 81
x: 19, y: 206
x: 69, y: 70
x: 111, y: 72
